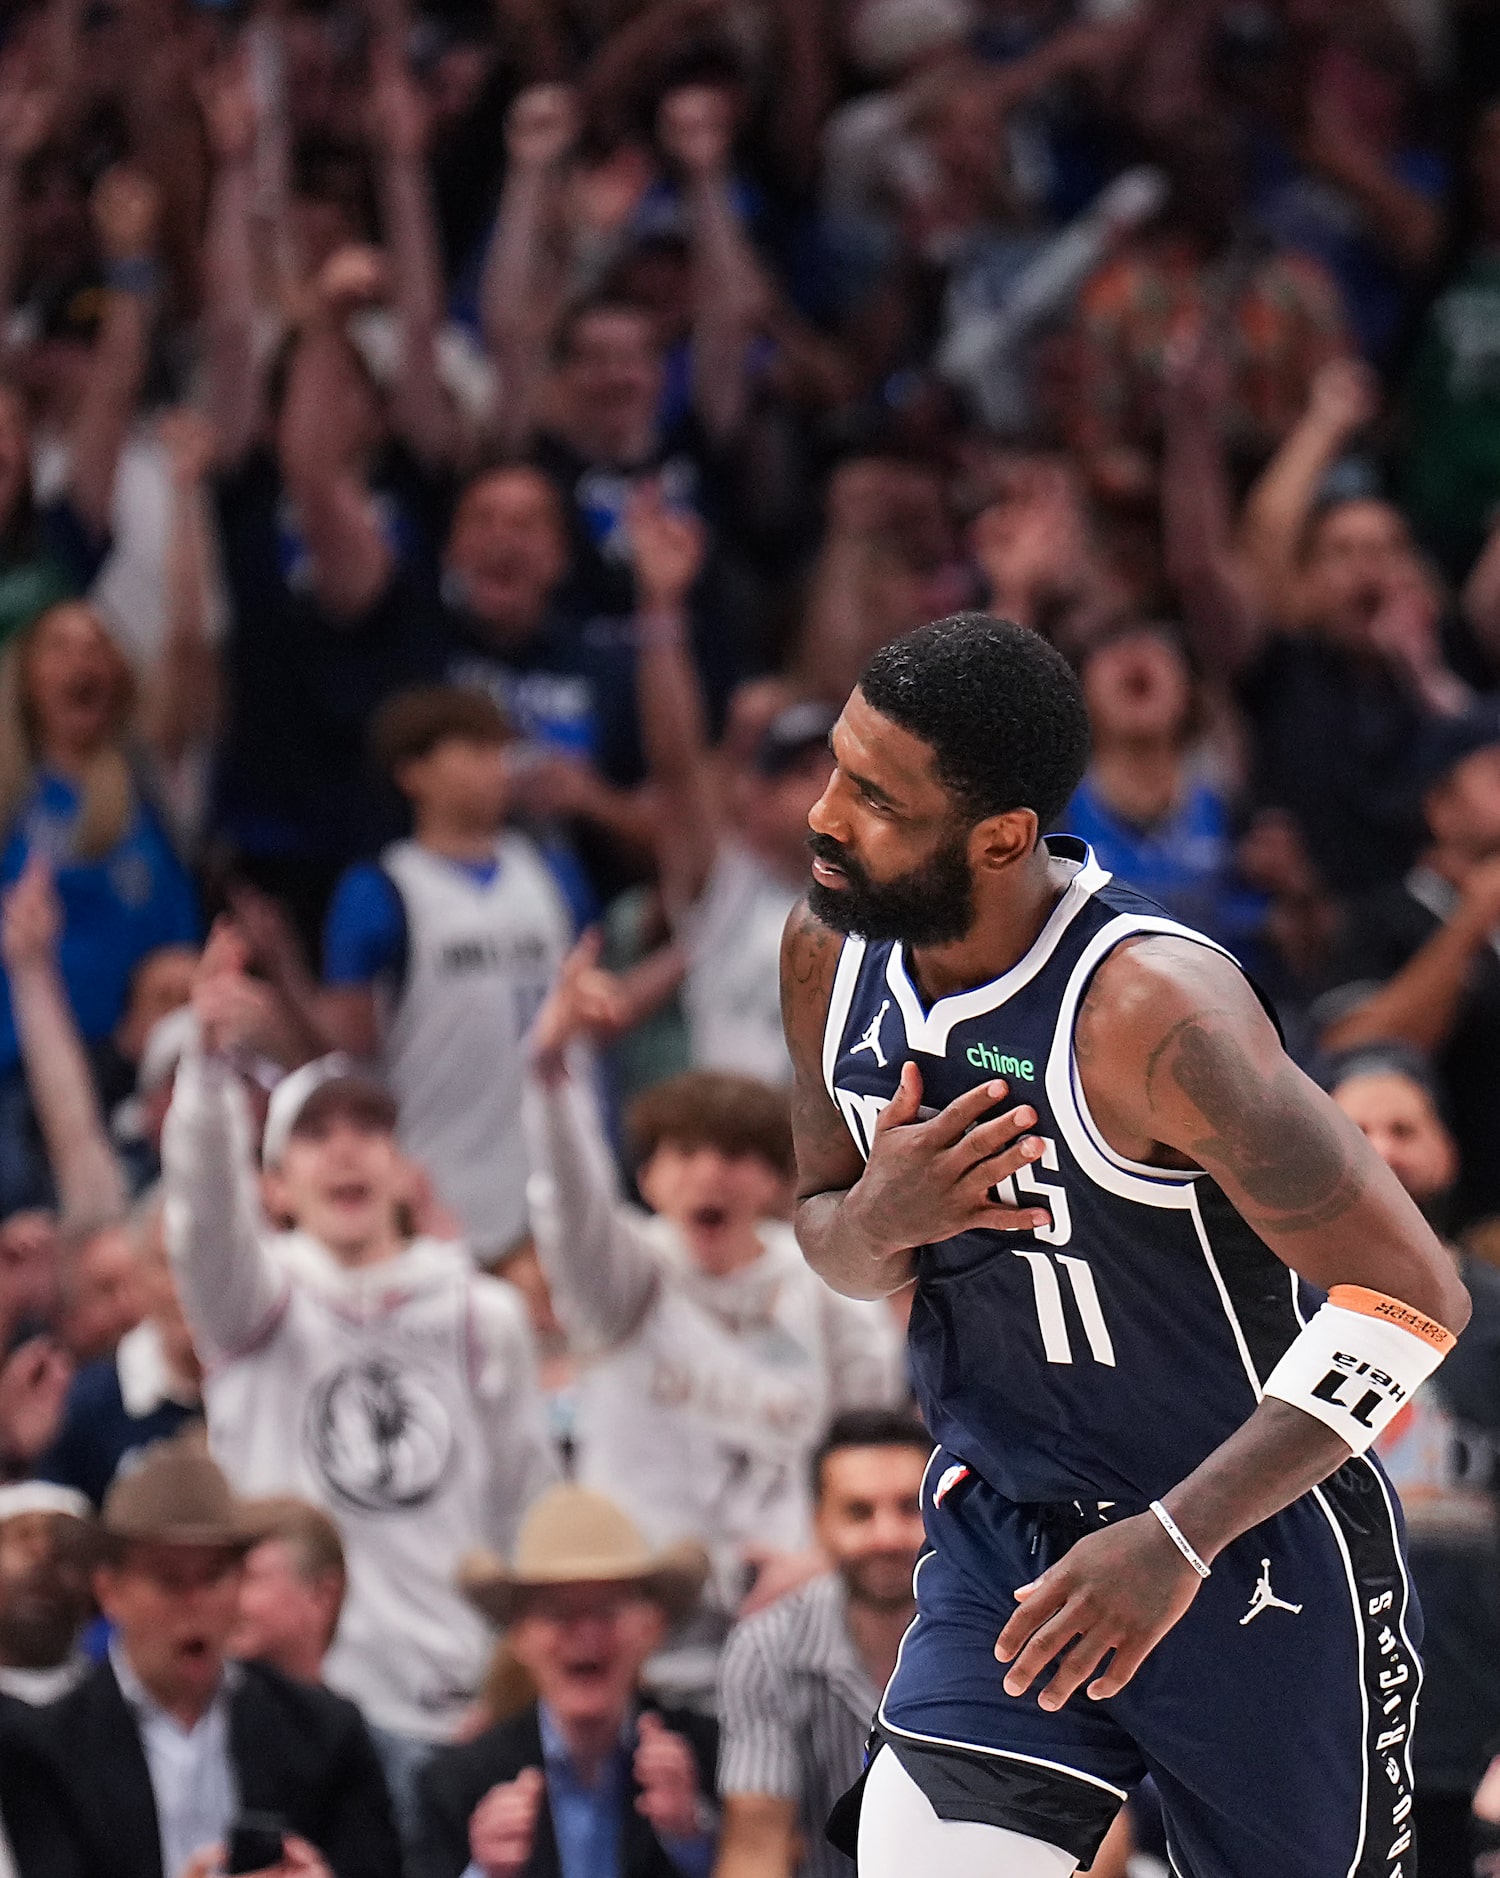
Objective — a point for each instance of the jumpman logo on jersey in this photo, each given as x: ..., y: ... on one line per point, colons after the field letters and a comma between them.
x: 871, y: 1039
x: 1265, y: 1599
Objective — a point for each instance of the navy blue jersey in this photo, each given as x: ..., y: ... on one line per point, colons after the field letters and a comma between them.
x: 1105, y: 1355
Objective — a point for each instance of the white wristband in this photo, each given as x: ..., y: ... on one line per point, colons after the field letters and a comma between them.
x: 1359, y: 1362
x: 1183, y: 1544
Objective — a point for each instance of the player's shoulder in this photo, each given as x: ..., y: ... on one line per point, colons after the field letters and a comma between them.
x: 1150, y: 984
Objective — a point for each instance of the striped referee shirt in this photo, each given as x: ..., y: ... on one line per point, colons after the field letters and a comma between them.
x: 795, y: 1707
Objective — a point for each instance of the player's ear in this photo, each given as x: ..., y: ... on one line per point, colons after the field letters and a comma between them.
x: 1002, y: 841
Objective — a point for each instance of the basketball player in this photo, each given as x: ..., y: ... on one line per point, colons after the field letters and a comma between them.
x: 1166, y: 1297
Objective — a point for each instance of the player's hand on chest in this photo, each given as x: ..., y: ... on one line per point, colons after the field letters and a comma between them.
x: 931, y: 1179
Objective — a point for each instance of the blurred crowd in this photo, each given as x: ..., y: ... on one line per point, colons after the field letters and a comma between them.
x: 456, y: 457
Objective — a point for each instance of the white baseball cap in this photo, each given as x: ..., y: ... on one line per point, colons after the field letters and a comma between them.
x: 292, y: 1095
x: 42, y: 1496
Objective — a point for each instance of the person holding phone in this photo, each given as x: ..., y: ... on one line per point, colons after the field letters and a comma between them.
x: 289, y: 1856
x: 168, y: 1760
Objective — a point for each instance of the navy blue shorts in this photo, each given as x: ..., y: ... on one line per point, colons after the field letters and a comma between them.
x: 1276, y: 1718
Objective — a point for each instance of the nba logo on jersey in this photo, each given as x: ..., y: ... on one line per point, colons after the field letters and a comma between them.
x: 951, y: 1477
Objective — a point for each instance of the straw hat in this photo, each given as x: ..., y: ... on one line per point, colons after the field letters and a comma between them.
x: 574, y: 1537
x: 177, y: 1496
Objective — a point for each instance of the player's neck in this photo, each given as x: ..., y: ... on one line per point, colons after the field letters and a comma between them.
x: 454, y: 842
x: 1007, y: 923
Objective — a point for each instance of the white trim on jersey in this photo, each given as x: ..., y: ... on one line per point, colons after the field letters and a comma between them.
x: 1406, y: 1589
x: 1128, y: 1180
x: 1364, y: 1693
x: 928, y: 1031
x: 1359, y: 1620
x: 1224, y: 1298
x: 1343, y: 1548
x: 845, y: 978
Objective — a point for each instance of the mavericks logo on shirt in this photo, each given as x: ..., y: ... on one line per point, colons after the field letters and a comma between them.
x: 381, y: 1439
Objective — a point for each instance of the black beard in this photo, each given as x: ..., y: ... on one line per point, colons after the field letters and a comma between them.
x: 860, y: 1592
x: 42, y: 1641
x: 933, y: 905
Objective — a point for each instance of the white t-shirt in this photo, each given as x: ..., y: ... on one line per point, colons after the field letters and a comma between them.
x: 701, y: 1397
x: 402, y: 1398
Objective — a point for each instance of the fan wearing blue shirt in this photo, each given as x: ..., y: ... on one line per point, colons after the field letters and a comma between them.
x: 69, y: 799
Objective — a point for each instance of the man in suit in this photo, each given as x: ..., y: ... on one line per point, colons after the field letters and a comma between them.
x: 592, y: 1780
x: 44, y: 1603
x: 149, y: 1761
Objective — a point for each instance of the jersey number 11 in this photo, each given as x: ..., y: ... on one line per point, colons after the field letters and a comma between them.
x: 1045, y: 1267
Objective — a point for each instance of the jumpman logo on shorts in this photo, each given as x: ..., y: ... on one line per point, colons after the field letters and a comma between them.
x: 1265, y: 1599
x: 871, y: 1039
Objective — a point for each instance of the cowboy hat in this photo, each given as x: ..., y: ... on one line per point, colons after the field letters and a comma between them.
x: 574, y: 1537
x: 177, y: 1496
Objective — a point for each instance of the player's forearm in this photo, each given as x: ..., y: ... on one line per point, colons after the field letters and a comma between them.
x: 1275, y: 1457
x: 846, y: 1252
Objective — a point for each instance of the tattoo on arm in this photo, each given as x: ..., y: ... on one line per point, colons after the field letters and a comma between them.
x: 1289, y: 1159
x: 809, y: 959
